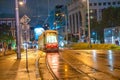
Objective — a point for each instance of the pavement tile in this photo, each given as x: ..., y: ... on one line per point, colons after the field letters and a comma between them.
x: 15, y: 69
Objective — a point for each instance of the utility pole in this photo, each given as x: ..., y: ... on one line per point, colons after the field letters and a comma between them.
x: 88, y: 12
x: 18, y: 30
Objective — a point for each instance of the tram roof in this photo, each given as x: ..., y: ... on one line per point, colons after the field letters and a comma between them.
x: 50, y: 31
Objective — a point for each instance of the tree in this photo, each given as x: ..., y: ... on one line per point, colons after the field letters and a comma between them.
x: 110, y: 18
x: 96, y: 26
x: 5, y: 36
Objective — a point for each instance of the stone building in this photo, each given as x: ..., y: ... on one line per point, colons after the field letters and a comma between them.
x: 12, y: 23
x: 77, y: 14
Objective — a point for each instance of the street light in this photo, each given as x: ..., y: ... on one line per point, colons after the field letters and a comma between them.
x: 88, y: 17
x: 18, y: 30
x: 21, y: 3
x: 18, y: 27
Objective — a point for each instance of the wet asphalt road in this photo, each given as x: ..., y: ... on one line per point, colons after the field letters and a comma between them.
x: 62, y: 70
x: 86, y: 65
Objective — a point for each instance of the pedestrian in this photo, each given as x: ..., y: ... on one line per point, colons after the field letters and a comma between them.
x: 116, y: 42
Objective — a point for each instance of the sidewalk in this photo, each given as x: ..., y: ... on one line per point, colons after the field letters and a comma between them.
x: 12, y: 68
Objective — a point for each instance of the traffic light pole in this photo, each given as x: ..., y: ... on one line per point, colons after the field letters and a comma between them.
x: 18, y: 30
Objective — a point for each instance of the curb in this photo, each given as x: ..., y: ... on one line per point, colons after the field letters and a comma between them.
x: 38, y: 77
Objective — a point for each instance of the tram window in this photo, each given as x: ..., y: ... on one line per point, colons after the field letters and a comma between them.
x: 51, y: 38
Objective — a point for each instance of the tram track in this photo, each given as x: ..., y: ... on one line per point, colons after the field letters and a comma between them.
x: 76, y: 69
x: 60, y: 73
x: 90, y: 70
x: 50, y: 70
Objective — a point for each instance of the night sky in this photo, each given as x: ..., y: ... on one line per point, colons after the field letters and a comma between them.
x: 33, y: 8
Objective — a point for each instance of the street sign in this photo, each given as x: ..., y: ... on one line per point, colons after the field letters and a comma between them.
x: 25, y: 19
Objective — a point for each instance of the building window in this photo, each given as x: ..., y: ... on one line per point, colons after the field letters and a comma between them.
x: 90, y: 4
x: 118, y: 2
x: 109, y: 3
x: 114, y: 3
x: 9, y: 24
x: 95, y: 4
x: 104, y: 3
x: 99, y: 4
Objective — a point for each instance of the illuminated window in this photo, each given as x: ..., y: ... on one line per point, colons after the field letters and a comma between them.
x: 51, y: 38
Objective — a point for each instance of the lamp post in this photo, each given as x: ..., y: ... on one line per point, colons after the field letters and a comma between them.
x: 88, y: 22
x: 18, y: 30
x: 88, y: 16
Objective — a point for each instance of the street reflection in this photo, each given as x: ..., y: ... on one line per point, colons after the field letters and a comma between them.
x: 110, y: 59
x: 94, y: 55
x: 94, y: 58
x: 58, y: 66
x: 66, y: 68
x: 102, y: 64
x: 53, y: 61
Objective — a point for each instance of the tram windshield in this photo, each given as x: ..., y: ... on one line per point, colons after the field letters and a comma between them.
x: 51, y: 37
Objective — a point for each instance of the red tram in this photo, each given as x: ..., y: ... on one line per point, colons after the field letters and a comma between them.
x: 48, y: 41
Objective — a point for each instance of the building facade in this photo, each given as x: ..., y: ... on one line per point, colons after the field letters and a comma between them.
x: 77, y: 14
x: 11, y: 22
x: 77, y: 18
x: 112, y: 35
x: 97, y: 6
